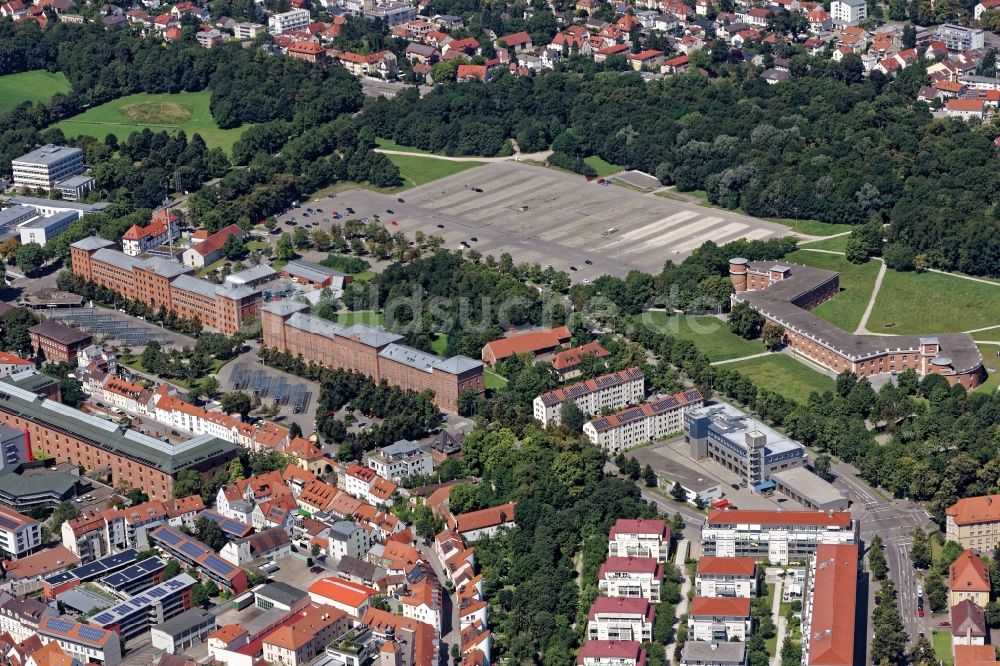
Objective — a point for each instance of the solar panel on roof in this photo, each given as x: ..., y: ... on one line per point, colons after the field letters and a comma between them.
x: 60, y: 625
x: 191, y: 549
x: 600, y: 423
x: 8, y: 523
x: 175, y: 584
x: 157, y: 592
x: 92, y: 633
x: 218, y: 565
x: 169, y: 537
x: 103, y: 618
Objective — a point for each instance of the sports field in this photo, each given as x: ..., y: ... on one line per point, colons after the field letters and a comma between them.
x: 171, y: 112
x: 856, y: 284
x: 34, y: 86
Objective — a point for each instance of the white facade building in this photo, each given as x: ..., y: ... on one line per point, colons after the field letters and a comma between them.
x: 295, y: 19
x: 640, y: 537
x: 635, y: 577
x: 719, y: 619
x: 46, y: 166
x: 778, y: 537
x: 643, y: 423
x: 612, y: 391
x: 620, y: 619
x: 726, y: 577
x: 348, y: 539
x: 848, y: 12
x: 400, y: 460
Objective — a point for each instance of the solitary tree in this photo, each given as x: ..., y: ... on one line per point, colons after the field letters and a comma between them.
x: 572, y: 416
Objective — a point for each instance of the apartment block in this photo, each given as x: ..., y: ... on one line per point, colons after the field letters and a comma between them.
x: 612, y: 391
x: 974, y: 522
x: 133, y: 618
x: 620, y: 619
x: 726, y: 577
x: 778, y: 537
x: 717, y: 619
x: 656, y: 418
x: 634, y: 577
x: 400, y: 460
x: 639, y: 537
x: 611, y: 653
x: 84, y: 642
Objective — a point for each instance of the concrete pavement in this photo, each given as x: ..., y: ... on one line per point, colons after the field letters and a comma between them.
x: 779, y: 621
x: 679, y: 557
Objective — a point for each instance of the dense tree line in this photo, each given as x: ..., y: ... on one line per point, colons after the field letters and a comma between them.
x: 799, y: 150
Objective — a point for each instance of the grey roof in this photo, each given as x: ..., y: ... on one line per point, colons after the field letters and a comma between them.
x: 284, y: 307
x: 141, y: 602
x: 83, y: 600
x: 410, y: 356
x: 343, y: 529
x: 352, y: 566
x: 93, y: 243
x: 311, y: 271
x: 703, y: 652
x: 75, y: 181
x: 162, y: 267
x: 236, y: 293
x: 48, y: 483
x: 281, y: 592
x: 112, y: 256
x: 49, y: 154
x: 371, y: 335
x: 252, y: 274
x: 731, y: 424
x: 51, y: 221
x: 193, y: 284
x: 36, y: 202
x: 61, y: 333
x: 808, y: 485
x: 180, y: 624
x: 144, y: 450
x: 402, y: 447
x: 780, y: 301
x: 15, y: 213
x: 456, y: 365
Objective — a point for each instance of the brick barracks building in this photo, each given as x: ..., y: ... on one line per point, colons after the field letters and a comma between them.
x: 159, y: 282
x: 131, y: 458
x: 785, y: 294
x: 373, y: 352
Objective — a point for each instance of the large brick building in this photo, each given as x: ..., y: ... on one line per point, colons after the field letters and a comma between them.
x: 57, y: 343
x: 160, y: 282
x: 785, y: 294
x: 129, y: 457
x: 371, y: 351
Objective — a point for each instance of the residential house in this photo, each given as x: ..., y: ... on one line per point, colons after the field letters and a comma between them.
x: 611, y: 653
x: 966, y: 109
x: 726, y: 577
x: 969, y: 579
x: 968, y: 624
x: 639, y: 537
x: 636, y: 577
x: 620, y: 619
x: 719, y: 619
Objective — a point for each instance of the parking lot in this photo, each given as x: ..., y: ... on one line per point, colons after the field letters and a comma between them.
x: 118, y: 327
x: 549, y: 217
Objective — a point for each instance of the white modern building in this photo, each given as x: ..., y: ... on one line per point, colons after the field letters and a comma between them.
x: 620, y: 619
x: 639, y: 537
x: 612, y: 391
x: 46, y: 166
x: 848, y: 12
x: 635, y: 577
x: 347, y: 539
x: 400, y: 460
x: 19, y: 534
x: 43, y: 229
x: 295, y: 19
x: 719, y: 619
x: 611, y: 653
x: 726, y: 577
x: 778, y: 537
x: 643, y: 423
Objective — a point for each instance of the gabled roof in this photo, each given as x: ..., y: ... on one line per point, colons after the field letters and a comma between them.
x: 832, y: 623
x: 484, y: 518
x: 645, y: 526
x: 622, y: 606
x: 720, y: 607
x: 968, y: 619
x: 528, y: 342
x: 968, y: 574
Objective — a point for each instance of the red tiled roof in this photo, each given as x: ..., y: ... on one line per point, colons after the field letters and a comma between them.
x: 622, y: 606
x: 306, y: 48
x: 968, y: 574
x: 612, y: 650
x: 642, y: 565
x: 516, y: 38
x: 639, y: 526
x: 491, y: 517
x: 342, y: 591
x: 528, y: 342
x: 965, y: 105
x: 720, y: 607
x: 727, y: 566
x: 471, y: 72
x: 571, y: 357
x: 832, y: 623
x: 216, y: 240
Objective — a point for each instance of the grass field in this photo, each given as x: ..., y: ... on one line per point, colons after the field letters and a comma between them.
x: 837, y: 244
x: 34, y: 86
x: 366, y: 317
x: 440, y: 344
x: 181, y: 111
x: 784, y: 375
x: 988, y: 334
x: 710, y: 335
x: 492, y: 380
x: 600, y: 166
x: 417, y: 170
x: 942, y: 647
x: 990, y: 362
x: 856, y: 284
x: 933, y: 303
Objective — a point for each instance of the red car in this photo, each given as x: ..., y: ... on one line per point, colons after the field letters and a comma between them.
x: 394, y: 223
x: 920, y: 612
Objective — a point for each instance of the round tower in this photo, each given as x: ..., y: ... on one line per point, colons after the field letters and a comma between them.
x: 738, y: 274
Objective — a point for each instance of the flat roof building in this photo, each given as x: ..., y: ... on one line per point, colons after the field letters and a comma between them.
x: 46, y: 166
x: 800, y: 485
x: 155, y: 606
x: 719, y: 653
x: 740, y: 443
x: 779, y: 537
x: 184, y: 631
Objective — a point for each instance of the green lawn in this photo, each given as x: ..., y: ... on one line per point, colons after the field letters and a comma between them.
x: 389, y: 144
x: 366, y: 317
x: 988, y: 334
x: 917, y: 303
x: 784, y: 375
x: 601, y: 167
x: 492, y: 380
x: 856, y: 284
x: 34, y: 86
x: 990, y: 360
x: 181, y: 111
x: 709, y: 334
x: 440, y: 344
x: 810, y: 227
x: 417, y: 170
x: 837, y: 244
x: 255, y: 245
x: 942, y: 647
x: 364, y: 275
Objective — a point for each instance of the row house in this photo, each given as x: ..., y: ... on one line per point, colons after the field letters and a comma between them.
x: 382, y: 63
x: 94, y: 535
